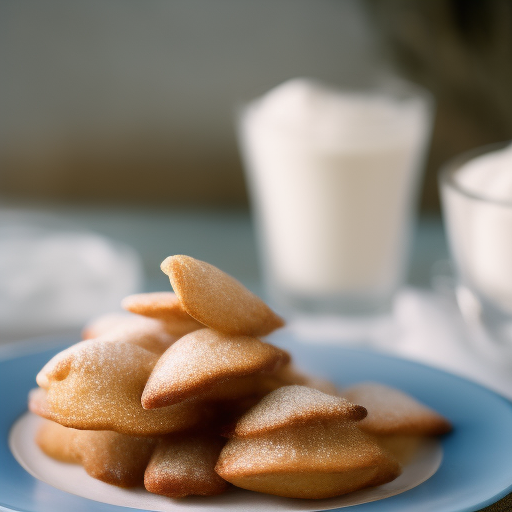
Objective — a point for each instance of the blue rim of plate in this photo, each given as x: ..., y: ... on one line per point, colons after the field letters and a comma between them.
x: 475, y: 472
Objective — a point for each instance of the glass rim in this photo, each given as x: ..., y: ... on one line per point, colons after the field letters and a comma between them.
x: 375, y: 84
x: 448, y: 170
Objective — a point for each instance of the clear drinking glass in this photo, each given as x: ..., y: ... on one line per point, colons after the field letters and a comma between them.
x: 333, y: 177
x: 479, y: 231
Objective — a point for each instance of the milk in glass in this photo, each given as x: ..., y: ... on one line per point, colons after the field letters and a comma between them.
x: 333, y: 176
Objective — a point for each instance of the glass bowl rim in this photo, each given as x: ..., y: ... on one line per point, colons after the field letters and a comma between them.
x: 448, y: 170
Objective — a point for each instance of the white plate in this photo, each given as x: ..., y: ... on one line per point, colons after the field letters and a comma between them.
x: 475, y: 471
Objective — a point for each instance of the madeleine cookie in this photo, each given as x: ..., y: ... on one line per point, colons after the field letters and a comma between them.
x: 113, y: 458
x: 204, y: 359
x: 308, y: 461
x: 183, y: 465
x: 97, y: 385
x: 217, y: 300
x: 403, y: 448
x: 301, y: 443
x: 391, y: 411
x: 289, y: 406
x: 58, y: 441
x: 163, y: 306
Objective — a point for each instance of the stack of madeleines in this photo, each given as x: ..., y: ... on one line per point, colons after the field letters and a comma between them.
x: 181, y: 395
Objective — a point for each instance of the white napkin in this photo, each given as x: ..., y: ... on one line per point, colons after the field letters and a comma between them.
x: 424, y: 326
x: 55, y: 277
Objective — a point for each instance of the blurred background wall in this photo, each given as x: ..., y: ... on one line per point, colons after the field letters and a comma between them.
x: 461, y: 50
x: 128, y: 101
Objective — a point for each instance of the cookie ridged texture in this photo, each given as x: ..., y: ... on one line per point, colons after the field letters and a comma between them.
x: 309, y: 461
x: 217, y: 300
x: 113, y: 458
x: 163, y: 306
x: 391, y: 411
x: 295, y: 405
x: 199, y: 361
x: 184, y: 465
x: 97, y: 385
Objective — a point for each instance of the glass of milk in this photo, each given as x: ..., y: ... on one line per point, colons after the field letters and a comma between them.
x: 476, y: 191
x: 333, y: 176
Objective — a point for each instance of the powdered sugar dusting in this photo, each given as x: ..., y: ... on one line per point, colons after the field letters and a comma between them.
x: 291, y: 405
x: 102, y: 387
x: 204, y: 358
x: 185, y: 465
x: 217, y: 300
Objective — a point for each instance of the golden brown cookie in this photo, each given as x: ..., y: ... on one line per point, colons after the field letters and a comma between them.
x: 183, y: 465
x: 308, y: 461
x: 402, y: 447
x: 57, y: 441
x: 217, y: 300
x: 97, y: 385
x: 391, y: 411
x: 163, y: 306
x: 289, y: 406
x: 204, y: 359
x: 301, y: 443
x: 113, y: 458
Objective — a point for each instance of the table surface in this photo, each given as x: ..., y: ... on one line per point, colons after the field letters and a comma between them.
x: 223, y: 237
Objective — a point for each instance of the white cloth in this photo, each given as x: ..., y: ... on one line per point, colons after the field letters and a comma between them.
x: 55, y: 276
x: 424, y: 326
